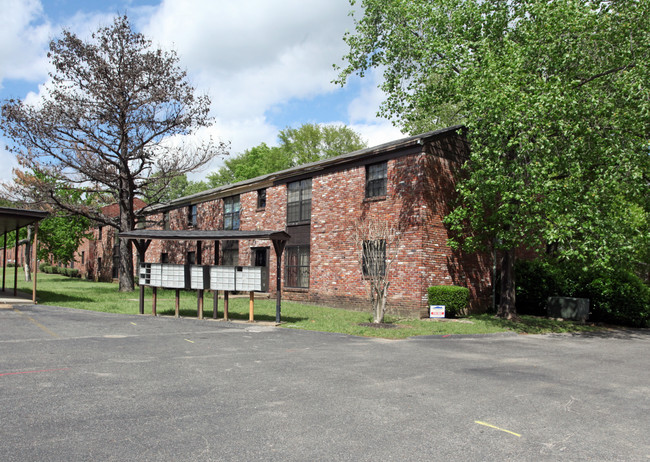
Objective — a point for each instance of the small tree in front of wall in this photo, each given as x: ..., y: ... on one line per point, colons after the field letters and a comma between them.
x: 377, y: 243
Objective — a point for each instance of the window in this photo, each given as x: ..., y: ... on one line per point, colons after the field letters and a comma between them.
x: 191, y: 258
x: 230, y: 253
x: 164, y: 257
x: 83, y: 257
x: 297, y: 266
x: 261, y: 198
x: 376, y: 179
x: 231, y: 208
x: 165, y: 220
x: 101, y: 228
x: 374, y: 258
x: 191, y: 215
x: 299, y: 202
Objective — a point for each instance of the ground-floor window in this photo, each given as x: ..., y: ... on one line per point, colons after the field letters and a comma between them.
x: 230, y: 255
x: 297, y: 266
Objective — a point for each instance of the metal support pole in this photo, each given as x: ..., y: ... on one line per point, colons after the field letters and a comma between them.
x: 225, y: 305
x: 141, y: 304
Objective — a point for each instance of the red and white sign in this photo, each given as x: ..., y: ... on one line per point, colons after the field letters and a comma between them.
x: 436, y: 311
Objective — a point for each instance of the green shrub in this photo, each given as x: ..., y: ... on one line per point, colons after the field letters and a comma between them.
x: 41, y: 267
x: 618, y: 297
x: 454, y: 298
x: 615, y: 296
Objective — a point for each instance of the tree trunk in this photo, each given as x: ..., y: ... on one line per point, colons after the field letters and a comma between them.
x: 126, y: 266
x: 507, y: 309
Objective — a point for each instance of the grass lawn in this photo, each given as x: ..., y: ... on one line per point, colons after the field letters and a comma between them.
x: 60, y: 290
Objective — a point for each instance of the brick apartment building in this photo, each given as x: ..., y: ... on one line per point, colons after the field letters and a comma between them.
x: 97, y: 257
x: 408, y: 182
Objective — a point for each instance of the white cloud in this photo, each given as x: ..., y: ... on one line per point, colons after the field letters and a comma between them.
x: 24, y: 34
x: 250, y: 55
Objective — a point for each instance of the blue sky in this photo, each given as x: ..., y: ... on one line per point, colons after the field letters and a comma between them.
x: 265, y: 64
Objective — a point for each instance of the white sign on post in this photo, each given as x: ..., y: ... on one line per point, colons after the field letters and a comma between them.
x: 436, y: 311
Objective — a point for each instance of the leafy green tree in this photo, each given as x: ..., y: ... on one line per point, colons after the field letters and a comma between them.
x: 556, y: 97
x: 312, y: 142
x: 60, y: 235
x: 308, y: 143
x: 256, y: 161
x: 178, y: 186
x: 104, y: 126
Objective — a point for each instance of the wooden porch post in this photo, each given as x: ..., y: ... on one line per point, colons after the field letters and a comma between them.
x: 34, y: 263
x: 251, y: 306
x: 4, y: 261
x: 199, y: 294
x: 279, y: 248
x: 16, y: 264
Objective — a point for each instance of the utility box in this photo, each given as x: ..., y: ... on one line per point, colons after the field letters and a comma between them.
x: 150, y: 274
x: 575, y: 309
x: 199, y: 277
x: 222, y: 278
x: 175, y: 276
x: 251, y: 279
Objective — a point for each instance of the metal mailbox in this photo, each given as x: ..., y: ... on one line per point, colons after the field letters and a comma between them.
x: 199, y: 277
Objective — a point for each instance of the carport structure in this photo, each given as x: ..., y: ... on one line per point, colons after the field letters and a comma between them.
x: 12, y: 219
x: 142, y: 238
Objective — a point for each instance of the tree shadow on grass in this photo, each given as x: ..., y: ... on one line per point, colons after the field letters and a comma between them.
x: 47, y: 297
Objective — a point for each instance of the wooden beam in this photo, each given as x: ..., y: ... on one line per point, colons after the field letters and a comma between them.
x: 251, y: 306
x: 177, y: 303
x: 225, y: 305
x: 215, y: 304
x: 154, y: 301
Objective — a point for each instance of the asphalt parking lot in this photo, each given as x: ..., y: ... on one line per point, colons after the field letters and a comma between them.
x: 79, y: 385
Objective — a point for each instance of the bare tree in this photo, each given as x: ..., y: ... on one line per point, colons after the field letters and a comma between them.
x: 377, y: 242
x: 109, y: 127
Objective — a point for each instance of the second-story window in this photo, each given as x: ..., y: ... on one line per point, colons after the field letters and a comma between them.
x: 165, y: 221
x: 299, y: 202
x: 261, y: 198
x: 376, y: 179
x: 192, y: 215
x: 231, y: 208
